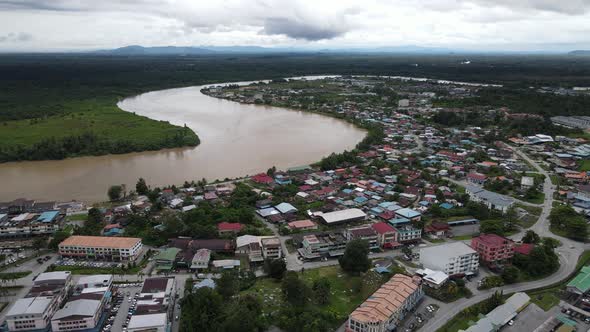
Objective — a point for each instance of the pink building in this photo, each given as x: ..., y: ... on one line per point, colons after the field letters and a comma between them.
x: 386, y: 235
x: 493, y: 248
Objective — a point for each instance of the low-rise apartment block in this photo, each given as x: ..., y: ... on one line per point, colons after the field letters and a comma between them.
x: 492, y: 248
x: 35, y: 310
x: 386, y: 235
x: 408, y: 234
x: 99, y: 247
x: 452, y: 258
x: 366, y: 233
x: 387, y: 307
x: 153, y: 306
x: 322, y: 245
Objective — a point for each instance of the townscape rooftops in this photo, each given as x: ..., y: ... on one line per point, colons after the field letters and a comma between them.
x: 447, y: 250
x: 302, y: 224
x: 386, y: 300
x: 78, y: 308
x: 140, y: 322
x: 48, y: 276
x: 493, y: 239
x: 342, y: 215
x: 100, y: 241
x: 30, y: 306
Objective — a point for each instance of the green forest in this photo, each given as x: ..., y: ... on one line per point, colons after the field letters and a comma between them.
x: 55, y: 106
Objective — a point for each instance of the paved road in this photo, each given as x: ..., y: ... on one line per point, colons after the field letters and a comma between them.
x: 568, y: 253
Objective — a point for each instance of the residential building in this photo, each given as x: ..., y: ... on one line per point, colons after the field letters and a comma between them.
x: 28, y: 224
x: 386, y: 235
x: 491, y: 199
x: 153, y: 305
x: 455, y: 258
x: 271, y: 247
x: 437, y: 229
x: 99, y: 247
x: 434, y: 279
x: 258, y: 248
x: 301, y: 225
x: 225, y: 228
x: 322, y: 245
x: 492, y: 248
x: 34, y: 311
x: 410, y: 214
x: 581, y: 283
x: 366, y: 233
x: 527, y: 182
x: 476, y: 178
x: 201, y: 260
x: 81, y: 312
x: 342, y: 216
x: 387, y: 307
x: 408, y: 234
x: 166, y: 258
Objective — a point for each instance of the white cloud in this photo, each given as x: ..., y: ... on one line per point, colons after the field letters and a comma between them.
x: 482, y: 24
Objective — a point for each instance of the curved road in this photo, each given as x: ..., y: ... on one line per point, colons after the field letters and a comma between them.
x: 568, y: 253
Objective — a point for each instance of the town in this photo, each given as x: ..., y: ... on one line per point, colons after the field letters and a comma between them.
x: 448, y: 216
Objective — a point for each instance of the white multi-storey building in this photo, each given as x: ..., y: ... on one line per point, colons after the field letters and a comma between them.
x: 101, y: 247
x: 451, y: 258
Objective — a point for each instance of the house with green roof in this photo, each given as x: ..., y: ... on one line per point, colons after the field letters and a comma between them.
x: 581, y: 283
x: 166, y: 259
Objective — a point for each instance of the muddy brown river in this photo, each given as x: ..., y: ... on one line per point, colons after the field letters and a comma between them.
x: 236, y: 140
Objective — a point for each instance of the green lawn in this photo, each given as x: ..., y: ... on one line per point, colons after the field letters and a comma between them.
x: 342, y: 300
x: 545, y: 300
x: 584, y: 165
x: 555, y: 179
x: 14, y: 275
x: 77, y: 217
x: 462, y: 237
x: 101, y: 117
x: 537, y: 200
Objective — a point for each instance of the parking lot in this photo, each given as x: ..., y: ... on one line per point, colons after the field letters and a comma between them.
x: 99, y: 264
x: 424, y: 311
x: 123, y: 306
x: 465, y: 230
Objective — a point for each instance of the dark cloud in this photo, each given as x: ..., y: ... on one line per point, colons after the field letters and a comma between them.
x: 302, y: 30
x: 16, y: 37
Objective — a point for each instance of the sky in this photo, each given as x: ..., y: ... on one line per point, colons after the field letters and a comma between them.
x: 486, y: 25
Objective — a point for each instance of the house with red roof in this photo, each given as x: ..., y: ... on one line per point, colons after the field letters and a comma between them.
x: 477, y: 178
x: 224, y: 228
x: 437, y: 229
x: 386, y: 235
x: 493, y: 248
x: 262, y: 178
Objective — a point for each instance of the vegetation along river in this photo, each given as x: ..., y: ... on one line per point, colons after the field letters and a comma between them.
x: 236, y: 140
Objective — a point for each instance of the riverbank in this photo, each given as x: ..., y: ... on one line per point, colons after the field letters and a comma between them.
x: 91, y: 128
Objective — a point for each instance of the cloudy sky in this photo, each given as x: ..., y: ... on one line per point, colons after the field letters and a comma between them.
x: 57, y: 25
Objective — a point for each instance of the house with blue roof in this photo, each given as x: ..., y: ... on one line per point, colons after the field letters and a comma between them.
x: 413, y: 215
x: 397, y: 221
x: 361, y: 200
x: 48, y: 216
x: 447, y: 206
x: 282, y: 180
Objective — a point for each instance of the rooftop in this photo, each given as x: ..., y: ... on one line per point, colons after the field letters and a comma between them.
x: 343, y: 215
x: 386, y: 300
x: 447, y: 250
x: 30, y: 306
x: 82, y: 307
x: 100, y: 241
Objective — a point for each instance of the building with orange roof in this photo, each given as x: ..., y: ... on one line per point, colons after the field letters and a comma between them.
x: 387, y: 307
x: 101, y: 248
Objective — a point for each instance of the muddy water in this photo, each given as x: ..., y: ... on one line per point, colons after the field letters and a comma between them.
x: 236, y: 140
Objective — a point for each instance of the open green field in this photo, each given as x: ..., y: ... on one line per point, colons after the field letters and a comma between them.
x: 114, y: 131
x: 584, y: 165
x: 343, y: 299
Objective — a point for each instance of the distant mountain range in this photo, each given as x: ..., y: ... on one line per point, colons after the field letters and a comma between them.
x: 136, y: 50
x: 205, y: 50
x: 580, y: 52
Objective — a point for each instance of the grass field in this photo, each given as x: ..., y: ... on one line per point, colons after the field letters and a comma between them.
x: 14, y: 275
x: 342, y: 300
x: 102, y: 117
x: 584, y: 165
